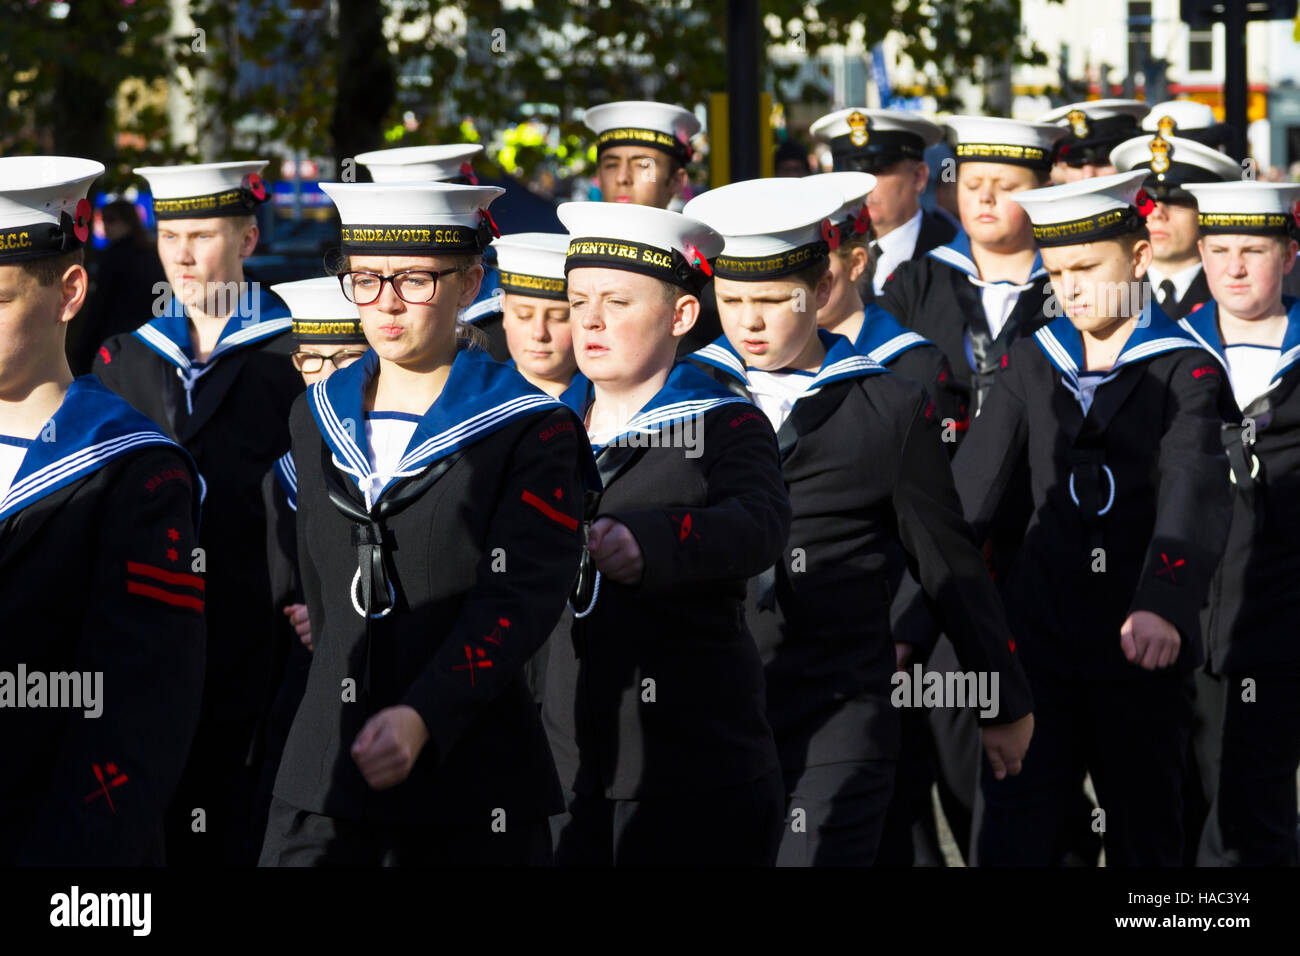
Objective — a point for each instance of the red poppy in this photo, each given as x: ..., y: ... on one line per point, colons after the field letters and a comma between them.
x: 863, y: 220
x: 467, y: 171
x: 81, y: 223
x: 830, y: 234
x: 698, y: 261
x: 484, y: 215
x: 253, y: 183
x: 1145, y: 204
x: 1295, y: 212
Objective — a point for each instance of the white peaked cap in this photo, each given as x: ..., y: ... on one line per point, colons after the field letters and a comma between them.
x: 205, y: 190
x: 1096, y: 109
x: 1087, y: 210
x: 419, y: 163
x: 643, y: 239
x: 834, y: 125
x: 1186, y: 114
x: 43, y: 206
x: 422, y: 218
x: 1248, y: 207
x: 995, y: 139
x: 661, y: 126
x: 320, y: 298
x: 532, y: 263
x: 853, y: 189
x: 1174, y: 160
x: 772, y: 227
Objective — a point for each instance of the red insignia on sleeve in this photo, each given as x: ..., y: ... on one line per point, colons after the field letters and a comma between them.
x: 741, y: 419
x: 113, y: 781
x: 1169, y: 568
x: 470, y: 663
x: 173, y: 588
x: 684, y: 527
x: 559, y: 517
x: 1012, y: 645
x: 1204, y: 370
x: 494, y: 636
x: 103, y: 353
x: 1006, y: 360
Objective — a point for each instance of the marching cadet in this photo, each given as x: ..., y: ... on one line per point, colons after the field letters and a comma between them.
x: 327, y: 335
x: 891, y: 146
x: 439, y: 500
x: 211, y: 368
x: 1248, y: 243
x: 535, y: 305
x: 654, y: 691
x: 642, y: 150
x: 101, y: 654
x: 1180, y: 286
x: 1114, y: 415
x: 447, y: 163
x: 1175, y: 276
x: 873, y: 331
x: 867, y: 476
x: 535, y: 310
x: 975, y: 296
x: 1091, y: 130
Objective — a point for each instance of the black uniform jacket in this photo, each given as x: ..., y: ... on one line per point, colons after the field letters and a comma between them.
x: 1197, y: 296
x: 1251, y: 621
x: 96, y: 536
x: 659, y: 688
x: 477, y: 566
x: 936, y: 230
x: 1129, y: 502
x: 938, y: 296
x: 231, y: 414
x: 868, y: 477
x: 913, y: 356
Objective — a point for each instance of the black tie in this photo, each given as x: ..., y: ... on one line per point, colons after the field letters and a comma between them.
x: 875, y: 261
x: 1167, y: 293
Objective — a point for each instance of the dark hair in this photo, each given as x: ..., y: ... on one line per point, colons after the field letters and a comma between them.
x: 48, y: 270
x: 810, y: 275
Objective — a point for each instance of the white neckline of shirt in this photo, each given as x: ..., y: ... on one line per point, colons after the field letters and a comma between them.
x: 1182, y: 280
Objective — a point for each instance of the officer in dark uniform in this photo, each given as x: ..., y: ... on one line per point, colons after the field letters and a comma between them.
x: 212, y: 369
x: 1114, y: 416
x: 101, y: 653
x: 448, y: 163
x: 327, y: 334
x: 439, y: 503
x: 654, y: 691
x: 891, y: 146
x: 1176, y: 277
x: 1248, y: 243
x: 1091, y: 130
x: 868, y: 478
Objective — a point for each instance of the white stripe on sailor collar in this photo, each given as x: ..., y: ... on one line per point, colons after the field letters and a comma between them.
x: 962, y: 262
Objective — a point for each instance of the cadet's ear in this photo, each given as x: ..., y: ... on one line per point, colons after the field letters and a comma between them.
x: 686, y: 310
x: 470, y: 280
x: 677, y: 181
x: 248, y: 241
x: 1290, y: 249
x: 822, y: 291
x: 75, y: 283
x: 859, y: 258
x: 1141, y: 258
x: 920, y: 176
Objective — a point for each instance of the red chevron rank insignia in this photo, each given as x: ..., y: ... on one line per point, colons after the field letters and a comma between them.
x: 173, y: 588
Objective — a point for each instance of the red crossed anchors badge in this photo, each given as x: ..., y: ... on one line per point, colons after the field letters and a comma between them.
x: 1169, y: 568
x: 113, y: 781
x: 474, y: 657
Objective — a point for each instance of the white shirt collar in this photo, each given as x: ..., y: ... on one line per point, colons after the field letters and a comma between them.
x: 896, y: 247
x: 1182, y: 280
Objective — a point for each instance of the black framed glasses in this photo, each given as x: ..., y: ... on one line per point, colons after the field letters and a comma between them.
x: 415, y: 286
x: 312, y: 362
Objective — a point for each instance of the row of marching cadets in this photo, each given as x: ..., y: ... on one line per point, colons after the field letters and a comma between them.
x: 639, y: 595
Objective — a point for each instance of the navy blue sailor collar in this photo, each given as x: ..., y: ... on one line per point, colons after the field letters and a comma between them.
x: 480, y: 396
x: 91, y: 427
x: 957, y: 254
x: 882, y: 337
x: 1154, y: 334
x: 1203, y: 325
x: 688, y: 392
x: 842, y: 361
x: 251, y: 322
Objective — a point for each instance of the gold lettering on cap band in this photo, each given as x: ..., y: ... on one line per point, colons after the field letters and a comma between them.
x: 1031, y: 154
x: 326, y: 327
x: 769, y: 267
x: 15, y: 239
x: 541, y: 285
x: 1227, y: 221
x: 410, y: 238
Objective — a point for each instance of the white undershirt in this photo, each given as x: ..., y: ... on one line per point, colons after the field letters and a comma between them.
x: 999, y: 300
x: 776, y: 392
x: 387, y: 435
x: 1251, y: 368
x: 1088, y: 382
x: 11, y: 459
x: 896, y: 247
